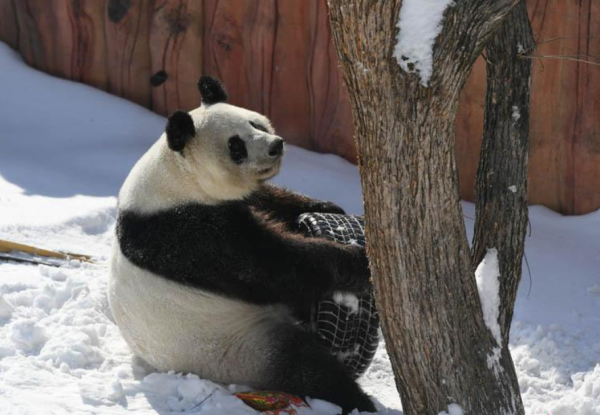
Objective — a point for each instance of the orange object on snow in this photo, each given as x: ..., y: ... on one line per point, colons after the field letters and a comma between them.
x: 272, y: 402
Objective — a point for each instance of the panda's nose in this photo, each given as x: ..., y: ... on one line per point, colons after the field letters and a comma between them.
x: 276, y: 148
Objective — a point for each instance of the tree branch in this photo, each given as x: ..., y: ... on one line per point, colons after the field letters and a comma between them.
x: 501, y: 186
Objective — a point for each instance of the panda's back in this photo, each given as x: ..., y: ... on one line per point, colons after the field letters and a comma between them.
x: 176, y: 327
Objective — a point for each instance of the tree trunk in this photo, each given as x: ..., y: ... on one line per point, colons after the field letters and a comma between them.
x: 441, y: 350
x: 501, y: 186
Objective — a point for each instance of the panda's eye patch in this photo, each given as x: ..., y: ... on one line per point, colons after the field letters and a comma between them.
x: 237, y: 149
x: 259, y: 127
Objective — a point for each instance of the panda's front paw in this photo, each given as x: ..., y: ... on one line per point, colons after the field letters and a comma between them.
x: 326, y: 207
x: 358, y: 270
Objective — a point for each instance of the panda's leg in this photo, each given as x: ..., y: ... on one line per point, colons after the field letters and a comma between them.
x: 299, y: 365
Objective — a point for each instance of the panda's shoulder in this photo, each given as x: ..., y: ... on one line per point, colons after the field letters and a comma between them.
x: 180, y: 218
x: 220, y: 240
x: 160, y: 241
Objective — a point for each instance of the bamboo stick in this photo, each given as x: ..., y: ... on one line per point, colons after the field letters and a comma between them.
x: 8, y: 246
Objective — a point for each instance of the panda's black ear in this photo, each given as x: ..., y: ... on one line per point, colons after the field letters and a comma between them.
x: 211, y: 90
x: 180, y: 128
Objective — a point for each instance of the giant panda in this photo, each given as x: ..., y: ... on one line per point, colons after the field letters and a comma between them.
x: 207, y: 272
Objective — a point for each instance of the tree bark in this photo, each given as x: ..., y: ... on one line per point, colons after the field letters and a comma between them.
x: 501, y: 186
x: 441, y: 350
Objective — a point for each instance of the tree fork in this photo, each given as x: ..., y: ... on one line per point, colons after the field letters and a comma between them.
x: 441, y: 350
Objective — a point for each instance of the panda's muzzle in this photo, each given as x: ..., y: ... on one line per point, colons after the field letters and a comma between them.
x: 265, y: 171
x: 276, y: 148
x: 270, y: 171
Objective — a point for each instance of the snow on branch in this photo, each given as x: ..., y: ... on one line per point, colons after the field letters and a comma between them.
x: 420, y: 22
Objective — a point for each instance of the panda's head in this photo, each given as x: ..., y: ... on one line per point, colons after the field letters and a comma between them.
x: 228, y: 146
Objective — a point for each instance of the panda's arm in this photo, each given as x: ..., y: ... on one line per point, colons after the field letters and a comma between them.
x: 290, y: 263
x: 285, y: 206
x: 230, y: 250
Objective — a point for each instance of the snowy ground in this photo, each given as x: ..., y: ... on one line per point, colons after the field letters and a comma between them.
x: 64, y: 151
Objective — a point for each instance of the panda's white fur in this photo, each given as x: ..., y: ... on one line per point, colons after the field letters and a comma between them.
x: 171, y: 326
x: 163, y: 178
x: 185, y: 323
x: 174, y: 327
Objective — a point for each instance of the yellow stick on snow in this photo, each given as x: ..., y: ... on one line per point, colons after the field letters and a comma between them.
x: 7, y: 246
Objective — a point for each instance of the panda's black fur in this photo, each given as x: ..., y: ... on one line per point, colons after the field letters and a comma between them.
x: 242, y: 248
x: 248, y: 251
x: 179, y: 130
x: 211, y: 90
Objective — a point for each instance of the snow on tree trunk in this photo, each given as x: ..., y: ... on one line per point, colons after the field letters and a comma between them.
x: 486, y: 275
x: 444, y: 356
